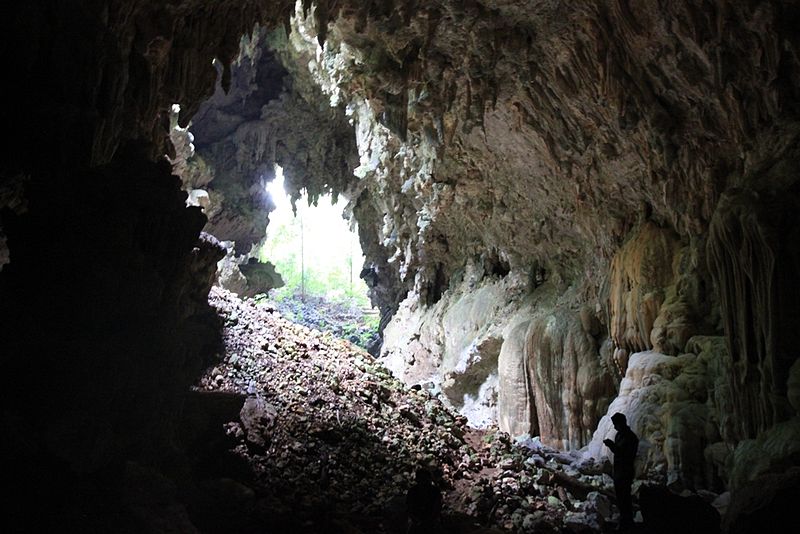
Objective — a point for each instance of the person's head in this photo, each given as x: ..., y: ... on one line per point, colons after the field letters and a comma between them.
x: 423, y: 476
x: 619, y: 421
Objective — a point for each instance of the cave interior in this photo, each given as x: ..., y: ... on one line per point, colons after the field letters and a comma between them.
x: 567, y: 209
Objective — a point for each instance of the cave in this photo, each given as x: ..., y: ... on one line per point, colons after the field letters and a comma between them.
x: 567, y: 209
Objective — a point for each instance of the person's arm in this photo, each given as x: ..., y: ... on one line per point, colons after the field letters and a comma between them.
x: 610, y: 444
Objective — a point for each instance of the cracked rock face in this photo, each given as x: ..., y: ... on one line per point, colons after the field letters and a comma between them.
x: 266, y: 117
x: 622, y: 157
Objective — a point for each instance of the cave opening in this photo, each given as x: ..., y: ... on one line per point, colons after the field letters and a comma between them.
x: 318, y: 256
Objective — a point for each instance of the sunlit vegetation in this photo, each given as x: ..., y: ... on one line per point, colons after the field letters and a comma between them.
x: 319, y: 257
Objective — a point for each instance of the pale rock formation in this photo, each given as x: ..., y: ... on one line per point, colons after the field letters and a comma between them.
x: 455, y: 343
x: 639, y: 273
x: 414, y: 354
x: 571, y: 389
x: 487, y: 343
x: 515, y: 411
x: 444, y: 177
x: 672, y: 405
x: 472, y: 340
x: 656, y: 297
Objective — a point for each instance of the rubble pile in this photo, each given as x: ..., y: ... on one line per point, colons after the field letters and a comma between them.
x: 536, y: 488
x: 344, y: 318
x: 331, y: 440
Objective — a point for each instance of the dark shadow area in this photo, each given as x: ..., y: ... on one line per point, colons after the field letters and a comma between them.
x: 105, y: 326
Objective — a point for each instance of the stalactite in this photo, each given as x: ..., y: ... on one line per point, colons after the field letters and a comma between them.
x: 744, y: 248
x: 639, y: 273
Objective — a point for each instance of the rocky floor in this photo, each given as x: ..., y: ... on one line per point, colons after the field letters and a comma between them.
x: 328, y: 441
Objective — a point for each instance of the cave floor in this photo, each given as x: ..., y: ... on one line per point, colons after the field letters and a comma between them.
x: 328, y: 441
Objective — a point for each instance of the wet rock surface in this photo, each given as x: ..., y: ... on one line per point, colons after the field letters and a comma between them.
x: 331, y: 440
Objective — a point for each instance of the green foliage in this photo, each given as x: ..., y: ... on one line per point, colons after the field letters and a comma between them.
x: 315, y: 252
x: 343, y: 319
x: 361, y: 332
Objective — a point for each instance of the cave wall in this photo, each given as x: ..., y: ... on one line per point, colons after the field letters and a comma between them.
x: 106, y: 324
x: 753, y: 254
x: 630, y: 156
x: 270, y: 115
x: 103, y: 291
x: 495, y: 105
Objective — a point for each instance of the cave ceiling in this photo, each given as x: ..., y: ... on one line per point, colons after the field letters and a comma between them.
x: 575, y: 118
x: 535, y: 133
x: 539, y: 131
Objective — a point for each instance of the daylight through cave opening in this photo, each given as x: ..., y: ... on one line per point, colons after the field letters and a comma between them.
x: 318, y: 257
x: 314, y: 248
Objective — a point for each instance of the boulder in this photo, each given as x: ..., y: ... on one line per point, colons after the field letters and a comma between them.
x: 666, y: 513
x: 257, y: 417
x: 765, y: 505
x: 580, y: 522
x: 598, y: 504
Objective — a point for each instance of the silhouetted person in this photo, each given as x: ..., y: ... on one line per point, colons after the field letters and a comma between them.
x: 624, y: 447
x: 424, y: 504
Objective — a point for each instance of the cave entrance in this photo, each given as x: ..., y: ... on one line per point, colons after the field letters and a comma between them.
x: 318, y: 254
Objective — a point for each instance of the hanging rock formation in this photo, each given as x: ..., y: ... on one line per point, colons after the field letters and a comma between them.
x: 753, y: 252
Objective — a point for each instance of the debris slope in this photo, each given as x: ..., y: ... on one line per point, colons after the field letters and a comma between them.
x: 329, y: 440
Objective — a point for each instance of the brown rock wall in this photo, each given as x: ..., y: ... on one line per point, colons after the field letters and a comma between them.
x: 531, y: 137
x: 591, y: 113
x: 571, y: 389
x: 753, y: 254
x: 102, y: 73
